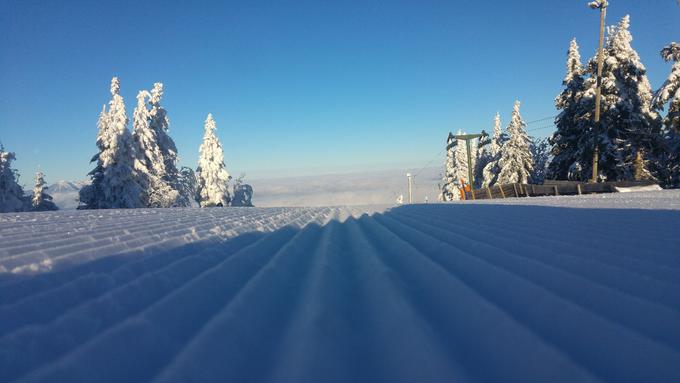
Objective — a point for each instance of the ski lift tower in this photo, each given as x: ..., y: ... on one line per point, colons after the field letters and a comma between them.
x: 483, y: 140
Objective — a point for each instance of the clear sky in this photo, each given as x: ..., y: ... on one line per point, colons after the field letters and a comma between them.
x: 296, y: 87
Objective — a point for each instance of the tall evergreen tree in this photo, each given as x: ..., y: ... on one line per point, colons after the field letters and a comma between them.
x: 516, y: 162
x: 449, y: 182
x: 90, y: 195
x: 211, y: 175
x: 150, y: 165
x: 669, y: 93
x: 571, y: 126
x: 114, y: 183
x: 11, y: 193
x: 491, y: 169
x: 160, y: 124
x: 628, y: 122
x: 540, y: 152
x: 670, y: 90
x: 187, y: 184
x: 41, y: 201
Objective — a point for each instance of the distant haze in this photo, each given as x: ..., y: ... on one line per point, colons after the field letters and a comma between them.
x: 359, y: 188
x: 376, y: 187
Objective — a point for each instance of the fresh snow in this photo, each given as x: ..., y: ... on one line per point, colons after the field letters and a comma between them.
x: 621, y: 189
x: 528, y: 289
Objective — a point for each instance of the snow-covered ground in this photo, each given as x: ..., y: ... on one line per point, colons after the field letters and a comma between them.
x: 514, y: 290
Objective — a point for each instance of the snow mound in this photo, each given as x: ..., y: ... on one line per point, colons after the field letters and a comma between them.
x: 638, y: 188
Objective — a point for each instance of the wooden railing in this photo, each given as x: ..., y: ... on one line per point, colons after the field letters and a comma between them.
x: 552, y: 188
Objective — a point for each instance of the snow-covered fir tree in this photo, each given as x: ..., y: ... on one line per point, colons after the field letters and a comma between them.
x: 114, y: 184
x: 41, y: 201
x: 146, y: 150
x: 572, y: 121
x: 149, y: 164
x: 449, y: 182
x: 669, y: 93
x: 160, y: 124
x: 187, y: 184
x: 540, y: 152
x: 11, y: 193
x: 516, y: 162
x: 628, y: 121
x: 90, y: 194
x: 211, y: 175
x: 491, y: 170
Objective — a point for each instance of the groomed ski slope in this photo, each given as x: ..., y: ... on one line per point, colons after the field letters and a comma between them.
x: 518, y: 290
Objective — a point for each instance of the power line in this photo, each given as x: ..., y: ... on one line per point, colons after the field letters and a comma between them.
x: 438, y: 155
x: 429, y: 162
x: 541, y: 127
x: 542, y: 119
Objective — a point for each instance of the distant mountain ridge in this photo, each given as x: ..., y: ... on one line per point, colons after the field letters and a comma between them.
x: 63, y: 187
x: 65, y: 193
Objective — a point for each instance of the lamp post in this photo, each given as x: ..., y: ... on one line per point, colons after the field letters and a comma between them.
x: 410, y: 182
x: 602, y: 6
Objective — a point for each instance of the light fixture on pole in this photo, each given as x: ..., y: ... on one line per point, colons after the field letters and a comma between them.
x: 410, y: 195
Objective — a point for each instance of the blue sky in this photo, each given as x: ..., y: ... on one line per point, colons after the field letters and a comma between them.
x: 296, y: 87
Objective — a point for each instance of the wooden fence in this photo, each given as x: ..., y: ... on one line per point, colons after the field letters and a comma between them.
x: 552, y: 188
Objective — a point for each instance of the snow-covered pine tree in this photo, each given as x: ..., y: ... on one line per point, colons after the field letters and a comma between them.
x: 628, y: 121
x: 146, y: 153
x: 449, y: 188
x: 571, y: 126
x: 491, y: 170
x: 121, y: 189
x: 669, y: 93
x: 11, y: 193
x: 211, y: 175
x: 41, y: 201
x: 160, y: 124
x: 187, y: 184
x: 149, y: 163
x: 113, y: 180
x: 540, y: 152
x: 516, y: 162
x: 90, y: 195
x: 670, y: 90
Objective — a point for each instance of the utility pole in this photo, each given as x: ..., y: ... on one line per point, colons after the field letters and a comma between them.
x: 468, y: 148
x: 602, y: 6
x: 410, y: 181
